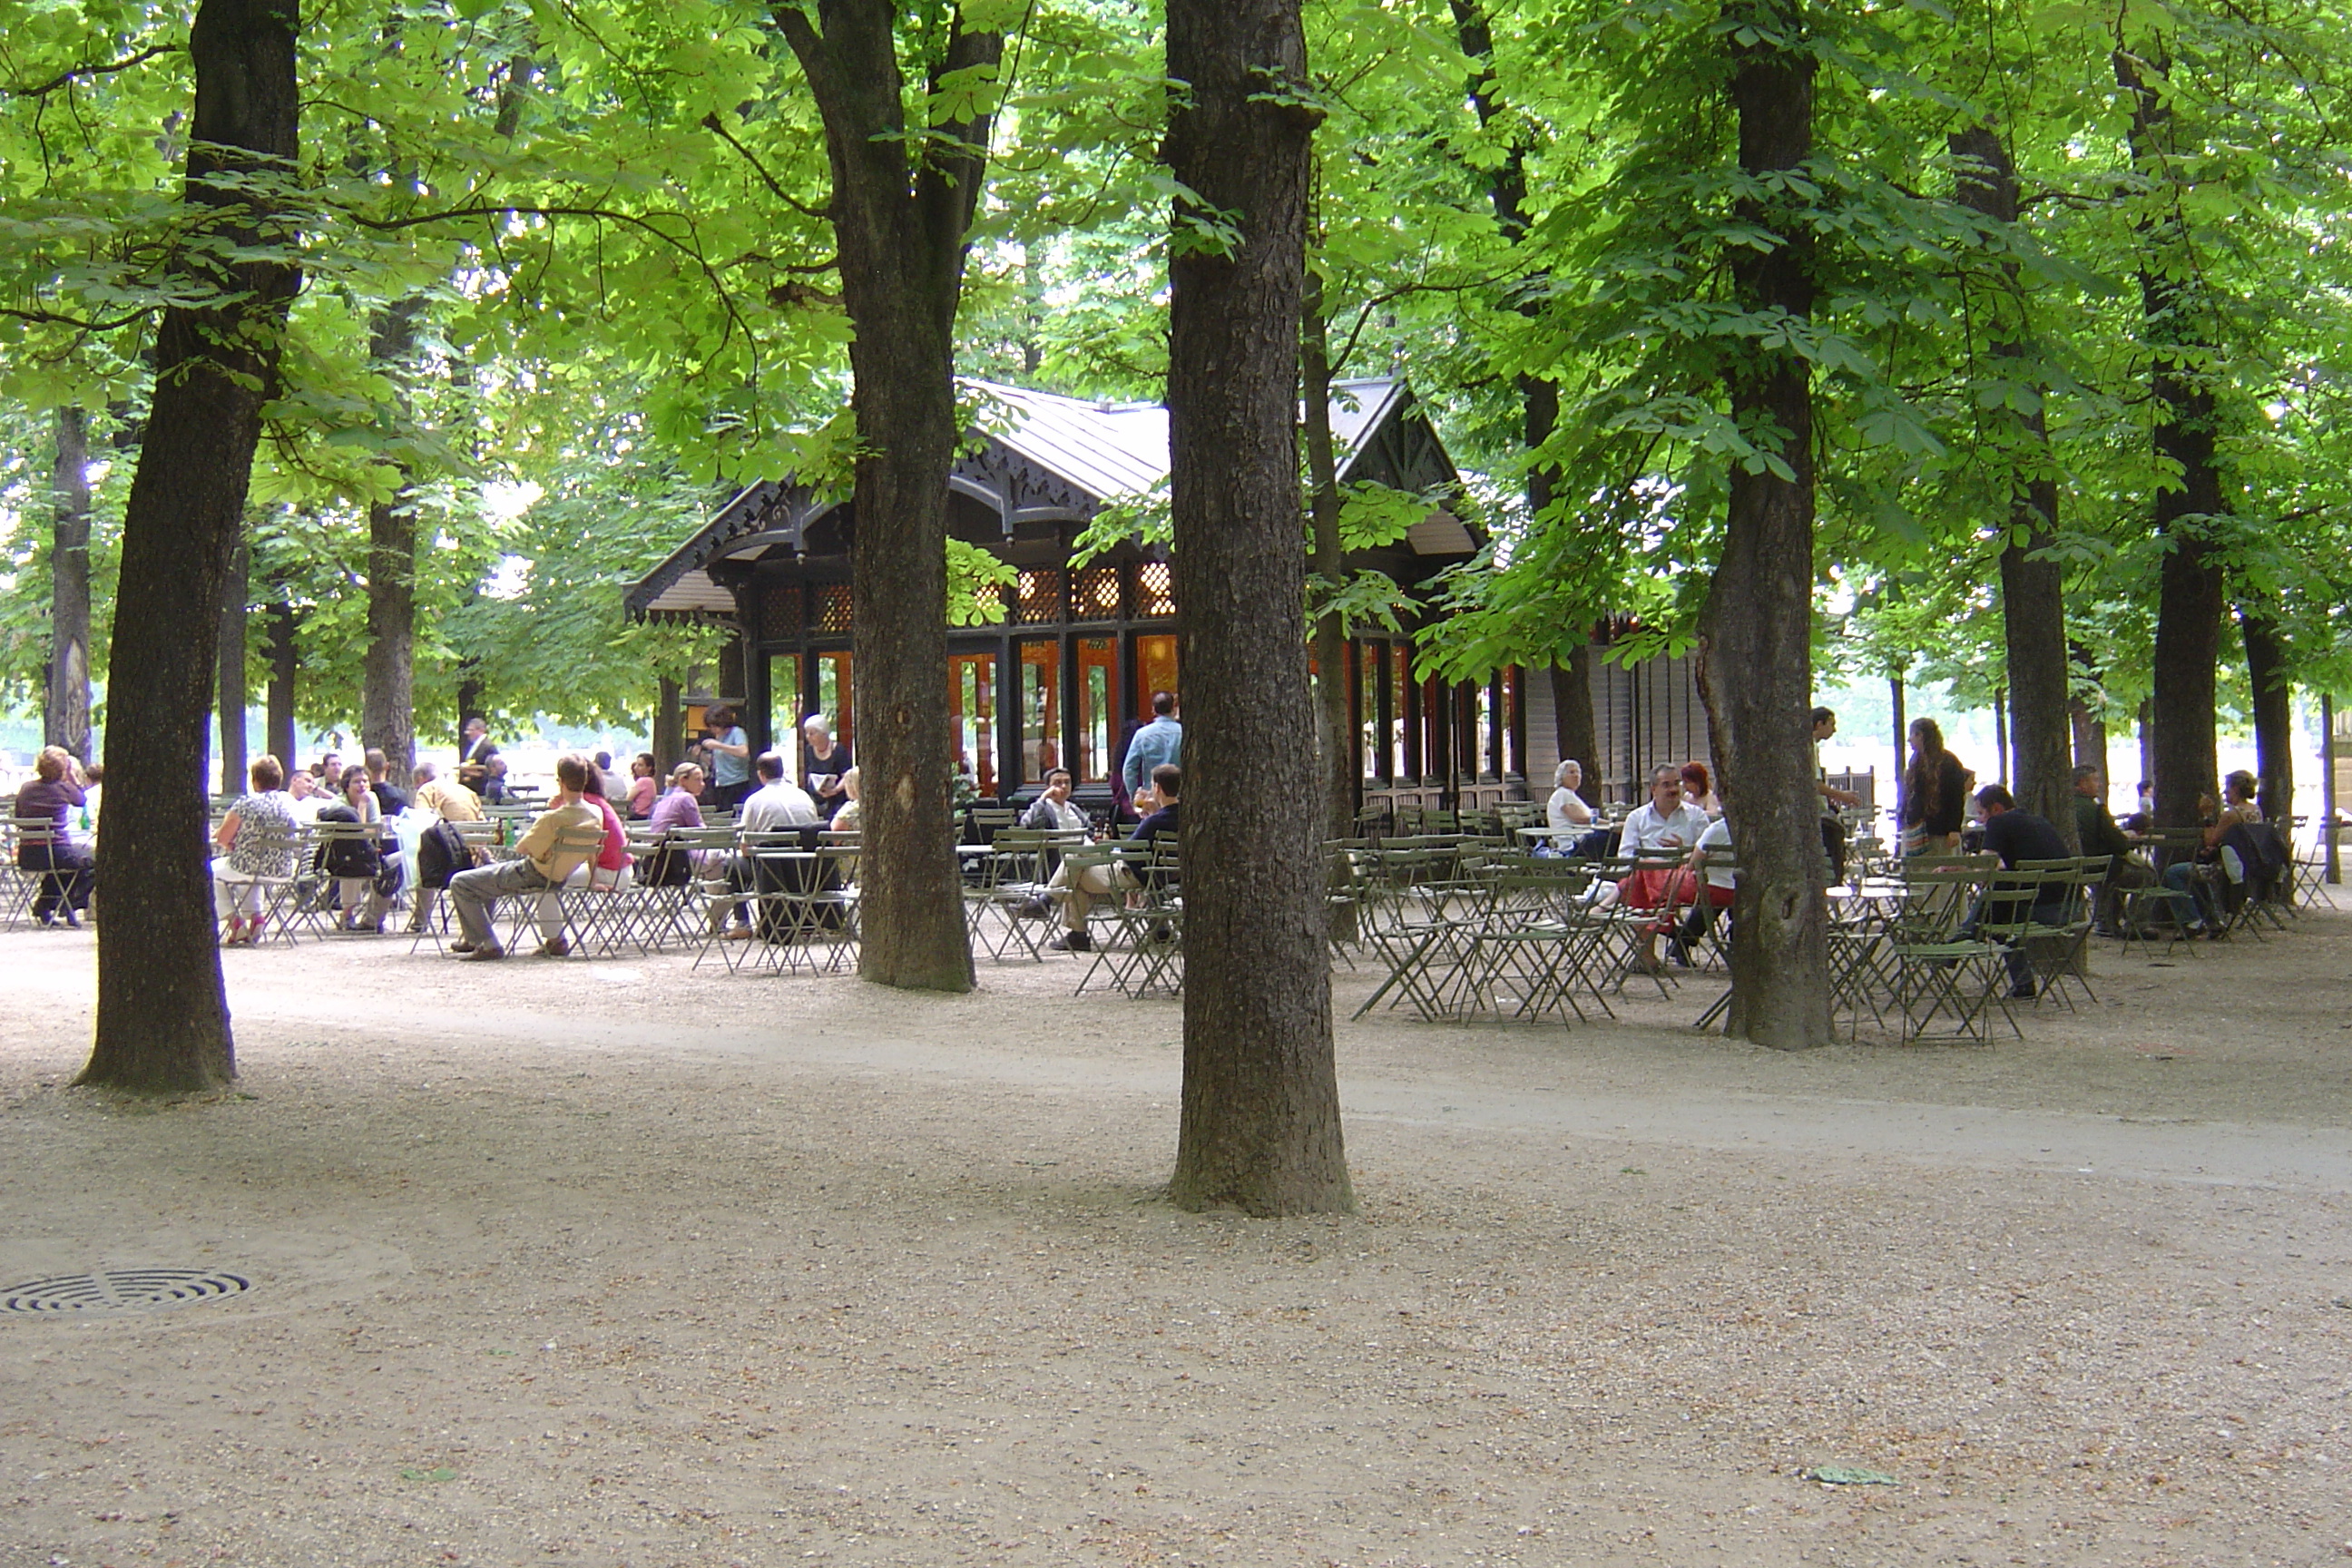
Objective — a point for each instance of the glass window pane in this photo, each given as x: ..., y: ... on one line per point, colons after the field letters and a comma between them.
x: 971, y: 705
x: 1155, y: 670
x: 1098, y: 706
x: 784, y: 700
x: 1480, y: 758
x: 1367, y: 709
x: 1399, y: 754
x: 1041, y: 710
x: 1512, y: 761
x: 835, y: 696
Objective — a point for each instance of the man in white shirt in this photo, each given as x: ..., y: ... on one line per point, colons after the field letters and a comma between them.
x: 1054, y: 811
x: 308, y: 799
x: 1666, y: 825
x: 778, y: 805
x: 1665, y: 821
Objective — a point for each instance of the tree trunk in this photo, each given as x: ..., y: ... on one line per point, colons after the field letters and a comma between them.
x: 2191, y: 596
x: 901, y: 211
x: 163, y: 1019
x: 285, y: 666
x: 66, y: 716
x: 669, y: 727
x: 469, y: 695
x: 1571, y: 713
x: 2090, y: 729
x: 388, y: 677
x: 1334, y: 727
x: 2266, y: 673
x: 1260, y: 1126
x: 1755, y: 630
x: 1902, y: 742
x: 2000, y: 738
x: 2032, y: 588
x: 230, y: 701
x: 1507, y: 191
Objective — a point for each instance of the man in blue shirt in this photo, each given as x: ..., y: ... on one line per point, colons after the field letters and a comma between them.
x: 1160, y: 742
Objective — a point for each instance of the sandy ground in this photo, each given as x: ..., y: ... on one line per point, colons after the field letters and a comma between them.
x: 609, y: 1263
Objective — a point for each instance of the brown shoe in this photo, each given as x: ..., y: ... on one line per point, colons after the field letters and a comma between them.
x: 559, y: 948
x: 485, y: 952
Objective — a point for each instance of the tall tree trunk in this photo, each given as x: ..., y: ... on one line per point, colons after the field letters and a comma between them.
x: 66, y: 715
x: 285, y: 666
x: 1571, y: 713
x: 1755, y: 630
x: 2000, y: 738
x: 2032, y: 588
x: 2266, y: 673
x: 669, y: 726
x: 163, y: 1019
x: 1506, y: 192
x: 2190, y: 596
x: 1894, y: 695
x: 901, y: 208
x: 469, y: 695
x: 2090, y: 729
x: 230, y: 702
x: 388, y: 677
x: 1260, y: 1126
x: 1335, y: 730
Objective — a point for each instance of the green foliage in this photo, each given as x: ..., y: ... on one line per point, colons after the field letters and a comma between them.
x: 610, y: 221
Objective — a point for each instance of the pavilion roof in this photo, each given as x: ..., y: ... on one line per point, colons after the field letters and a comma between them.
x: 1045, y: 457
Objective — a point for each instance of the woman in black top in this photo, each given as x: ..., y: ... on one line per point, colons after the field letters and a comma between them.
x: 1935, y: 794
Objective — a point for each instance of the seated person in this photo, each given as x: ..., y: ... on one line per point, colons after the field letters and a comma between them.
x: 1700, y: 790
x: 612, y: 859
x: 2017, y: 836
x: 446, y: 798
x: 539, y: 864
x: 51, y: 796
x: 846, y: 819
x: 258, y: 838
x: 1054, y: 811
x: 1664, y: 825
x: 494, y: 780
x: 777, y: 805
x: 356, y: 863
x: 1566, y: 808
x: 2238, y: 809
x: 2100, y: 834
x: 1706, y: 884
x: 1078, y: 893
x: 82, y: 826
x: 388, y: 796
x: 645, y: 787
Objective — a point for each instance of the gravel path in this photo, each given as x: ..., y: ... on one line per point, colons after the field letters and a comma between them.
x: 609, y: 1263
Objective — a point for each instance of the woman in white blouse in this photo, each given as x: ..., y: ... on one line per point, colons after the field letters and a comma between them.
x: 1567, y: 808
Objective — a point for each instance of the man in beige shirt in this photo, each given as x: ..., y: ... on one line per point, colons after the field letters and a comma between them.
x: 567, y: 833
x: 446, y: 798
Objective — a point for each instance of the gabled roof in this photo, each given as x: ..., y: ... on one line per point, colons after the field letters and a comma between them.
x: 1041, y: 456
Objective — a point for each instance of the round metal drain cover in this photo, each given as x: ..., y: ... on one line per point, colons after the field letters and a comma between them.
x: 119, y: 1289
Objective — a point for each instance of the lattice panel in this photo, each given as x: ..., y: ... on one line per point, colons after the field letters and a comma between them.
x: 1097, y: 598
x: 1038, y: 600
x: 780, y: 610
x: 1155, y: 590
x: 833, y: 603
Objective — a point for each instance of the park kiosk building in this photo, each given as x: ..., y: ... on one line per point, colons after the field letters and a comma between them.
x: 1083, y: 647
